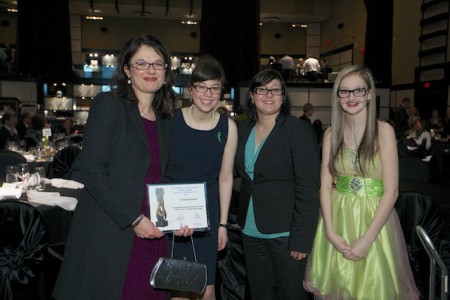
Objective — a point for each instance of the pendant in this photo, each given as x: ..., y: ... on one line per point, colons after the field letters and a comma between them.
x: 355, y: 184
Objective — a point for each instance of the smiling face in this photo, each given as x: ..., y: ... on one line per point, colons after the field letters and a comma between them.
x: 355, y: 84
x: 145, y: 82
x: 268, y: 104
x: 206, y: 101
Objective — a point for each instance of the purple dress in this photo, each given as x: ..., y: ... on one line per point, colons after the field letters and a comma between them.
x: 146, y: 252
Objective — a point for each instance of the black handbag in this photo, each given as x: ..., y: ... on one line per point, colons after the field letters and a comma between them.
x: 179, y: 275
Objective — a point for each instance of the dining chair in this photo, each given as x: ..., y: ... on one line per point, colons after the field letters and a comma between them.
x: 413, y: 168
x: 9, y: 158
x: 415, y: 209
x: 62, y: 161
x: 23, y: 247
x: 435, y: 258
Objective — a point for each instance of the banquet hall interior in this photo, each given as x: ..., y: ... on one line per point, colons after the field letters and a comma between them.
x: 56, y: 56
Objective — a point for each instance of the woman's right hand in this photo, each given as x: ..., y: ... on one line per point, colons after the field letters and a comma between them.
x: 147, y: 230
x: 339, y: 243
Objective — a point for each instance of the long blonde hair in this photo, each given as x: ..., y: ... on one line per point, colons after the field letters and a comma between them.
x: 369, y: 142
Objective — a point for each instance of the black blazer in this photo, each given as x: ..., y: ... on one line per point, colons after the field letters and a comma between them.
x: 286, y: 182
x: 5, y: 136
x: 112, y: 166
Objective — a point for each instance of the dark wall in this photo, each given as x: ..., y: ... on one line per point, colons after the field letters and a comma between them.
x: 230, y: 33
x: 43, y: 39
x: 378, y: 50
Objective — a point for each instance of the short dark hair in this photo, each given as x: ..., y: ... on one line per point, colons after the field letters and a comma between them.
x: 261, y: 79
x: 7, y: 116
x: 207, y: 68
x: 308, y: 107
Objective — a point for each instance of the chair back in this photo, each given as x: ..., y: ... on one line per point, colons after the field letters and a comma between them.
x: 413, y: 168
x: 23, y: 245
x: 415, y: 209
x: 422, y: 149
x: 9, y: 158
x: 62, y: 161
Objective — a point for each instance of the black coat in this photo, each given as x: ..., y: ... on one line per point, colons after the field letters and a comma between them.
x: 286, y: 182
x: 112, y: 166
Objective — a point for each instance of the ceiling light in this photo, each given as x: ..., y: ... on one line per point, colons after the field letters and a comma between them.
x: 95, y: 18
x: 12, y: 10
x: 299, y: 25
x: 189, y: 22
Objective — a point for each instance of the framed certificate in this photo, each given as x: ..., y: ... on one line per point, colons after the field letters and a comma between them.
x: 176, y: 205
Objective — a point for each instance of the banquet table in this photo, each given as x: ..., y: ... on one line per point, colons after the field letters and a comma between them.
x: 58, y: 219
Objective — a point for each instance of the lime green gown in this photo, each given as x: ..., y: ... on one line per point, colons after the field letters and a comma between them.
x: 384, y: 273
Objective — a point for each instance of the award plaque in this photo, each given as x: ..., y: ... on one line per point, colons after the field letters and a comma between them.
x: 176, y: 205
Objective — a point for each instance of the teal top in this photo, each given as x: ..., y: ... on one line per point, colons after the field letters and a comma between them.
x: 251, y: 155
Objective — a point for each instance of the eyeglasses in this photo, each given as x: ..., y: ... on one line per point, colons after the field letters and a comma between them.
x: 143, y: 65
x: 356, y: 92
x: 265, y: 91
x: 203, y: 89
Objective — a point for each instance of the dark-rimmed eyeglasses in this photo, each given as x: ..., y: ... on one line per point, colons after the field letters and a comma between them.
x: 203, y: 89
x: 143, y: 65
x: 356, y: 92
x: 265, y: 91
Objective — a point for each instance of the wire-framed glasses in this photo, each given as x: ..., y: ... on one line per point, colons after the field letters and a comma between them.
x: 265, y: 91
x: 203, y: 89
x: 143, y: 65
x: 360, y: 92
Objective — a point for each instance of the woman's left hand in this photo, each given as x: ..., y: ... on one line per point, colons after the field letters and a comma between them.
x: 184, y: 231
x: 298, y: 255
x: 359, y: 250
x: 222, y: 239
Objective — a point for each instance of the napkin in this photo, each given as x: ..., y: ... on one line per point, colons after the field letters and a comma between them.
x: 64, y: 183
x: 52, y: 199
x: 29, y: 157
x: 10, y: 191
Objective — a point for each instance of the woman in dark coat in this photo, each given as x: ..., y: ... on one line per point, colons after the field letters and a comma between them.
x: 278, y: 159
x: 113, y: 245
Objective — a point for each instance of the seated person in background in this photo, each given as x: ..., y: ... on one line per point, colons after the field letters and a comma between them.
x: 308, y: 110
x: 224, y: 111
x: 421, y: 133
x: 68, y: 129
x: 8, y: 132
x: 24, y: 124
x: 325, y: 69
x: 413, y: 116
x: 33, y: 135
x: 436, y: 122
x: 446, y: 133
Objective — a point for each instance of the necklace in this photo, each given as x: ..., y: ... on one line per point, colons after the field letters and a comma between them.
x: 190, y: 122
x: 356, y: 183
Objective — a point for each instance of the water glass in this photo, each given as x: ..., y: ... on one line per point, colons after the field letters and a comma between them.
x: 40, y: 171
x: 12, y: 174
x: 24, y: 171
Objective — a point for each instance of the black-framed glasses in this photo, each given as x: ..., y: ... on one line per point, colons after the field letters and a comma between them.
x: 143, y: 65
x: 356, y: 92
x: 265, y: 91
x: 203, y: 89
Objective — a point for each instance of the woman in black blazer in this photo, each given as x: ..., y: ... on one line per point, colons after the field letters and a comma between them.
x: 278, y: 160
x: 112, y: 244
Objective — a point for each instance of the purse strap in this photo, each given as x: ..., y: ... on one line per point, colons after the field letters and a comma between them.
x: 193, y: 247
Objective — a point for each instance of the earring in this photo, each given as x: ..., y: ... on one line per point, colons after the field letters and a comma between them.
x: 129, y: 81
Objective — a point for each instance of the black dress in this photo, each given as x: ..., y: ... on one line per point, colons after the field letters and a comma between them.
x: 196, y: 156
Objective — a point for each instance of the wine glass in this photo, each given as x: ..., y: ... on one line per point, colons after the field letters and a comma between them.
x: 24, y: 171
x: 12, y: 174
